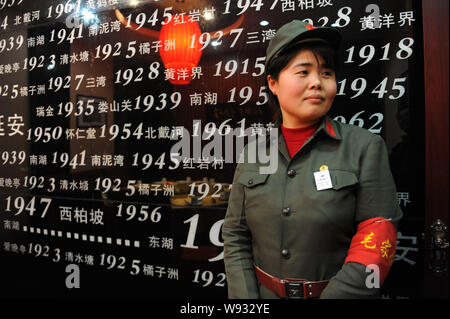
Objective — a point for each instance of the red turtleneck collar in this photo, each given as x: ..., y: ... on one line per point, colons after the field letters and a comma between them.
x: 296, y: 137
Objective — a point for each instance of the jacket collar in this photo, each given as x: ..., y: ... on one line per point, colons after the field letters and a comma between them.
x: 328, y: 127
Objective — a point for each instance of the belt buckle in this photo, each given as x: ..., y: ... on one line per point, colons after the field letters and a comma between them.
x: 294, y: 289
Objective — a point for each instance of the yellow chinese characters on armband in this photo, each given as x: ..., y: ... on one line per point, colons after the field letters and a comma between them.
x: 374, y: 242
x: 385, y: 250
x: 367, y: 242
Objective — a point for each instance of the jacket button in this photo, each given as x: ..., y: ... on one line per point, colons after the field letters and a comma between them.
x: 287, y: 211
x: 291, y: 173
x: 285, y: 253
x: 250, y: 181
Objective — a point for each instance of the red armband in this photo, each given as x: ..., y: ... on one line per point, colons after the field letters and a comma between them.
x: 375, y: 242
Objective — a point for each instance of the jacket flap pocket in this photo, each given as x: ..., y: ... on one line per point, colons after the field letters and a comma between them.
x: 251, y: 179
x: 343, y: 179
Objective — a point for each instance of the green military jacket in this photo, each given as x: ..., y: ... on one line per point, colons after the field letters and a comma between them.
x: 288, y: 228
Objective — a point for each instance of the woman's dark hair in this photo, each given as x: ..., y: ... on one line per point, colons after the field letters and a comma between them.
x: 324, y: 50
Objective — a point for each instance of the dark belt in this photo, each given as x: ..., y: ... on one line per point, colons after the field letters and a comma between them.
x: 291, y: 287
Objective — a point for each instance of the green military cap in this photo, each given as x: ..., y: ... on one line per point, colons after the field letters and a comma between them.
x: 296, y: 32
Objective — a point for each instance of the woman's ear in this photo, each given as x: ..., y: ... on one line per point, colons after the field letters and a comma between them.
x: 272, y: 84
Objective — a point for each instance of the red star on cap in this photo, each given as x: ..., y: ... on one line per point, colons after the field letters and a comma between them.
x: 309, y: 26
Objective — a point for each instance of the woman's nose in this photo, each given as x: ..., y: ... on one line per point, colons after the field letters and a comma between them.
x: 315, y: 82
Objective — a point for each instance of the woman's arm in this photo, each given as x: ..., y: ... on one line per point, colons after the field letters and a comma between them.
x: 238, y: 256
x: 377, y: 216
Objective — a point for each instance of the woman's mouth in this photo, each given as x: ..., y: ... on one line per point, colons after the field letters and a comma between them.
x: 314, y: 98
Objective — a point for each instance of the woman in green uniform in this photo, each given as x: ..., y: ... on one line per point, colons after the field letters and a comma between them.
x: 324, y: 223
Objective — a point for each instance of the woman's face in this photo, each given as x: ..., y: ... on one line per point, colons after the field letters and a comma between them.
x: 305, y: 89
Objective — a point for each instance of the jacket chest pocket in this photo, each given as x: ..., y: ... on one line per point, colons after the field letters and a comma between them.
x: 338, y: 203
x: 341, y: 179
x: 341, y: 182
x: 343, y: 185
x: 252, y: 179
x: 255, y: 187
x: 258, y: 200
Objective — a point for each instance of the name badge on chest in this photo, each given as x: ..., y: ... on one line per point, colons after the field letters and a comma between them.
x: 323, y: 179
